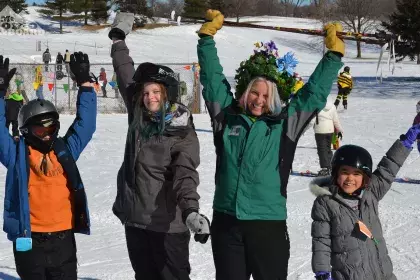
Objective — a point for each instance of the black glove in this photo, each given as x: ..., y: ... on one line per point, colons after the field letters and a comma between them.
x: 340, y: 135
x: 5, y: 75
x: 80, y: 67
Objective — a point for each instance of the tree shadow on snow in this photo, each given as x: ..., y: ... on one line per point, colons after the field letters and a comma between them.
x: 7, y: 276
x: 54, y: 26
x: 389, y: 88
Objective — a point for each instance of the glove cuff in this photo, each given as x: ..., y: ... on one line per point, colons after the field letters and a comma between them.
x: 187, y: 212
x: 116, y: 33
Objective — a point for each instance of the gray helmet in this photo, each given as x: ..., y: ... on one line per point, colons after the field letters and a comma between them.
x: 35, y: 108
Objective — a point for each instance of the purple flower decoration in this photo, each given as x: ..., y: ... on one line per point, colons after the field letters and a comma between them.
x: 271, y: 46
x: 287, y: 63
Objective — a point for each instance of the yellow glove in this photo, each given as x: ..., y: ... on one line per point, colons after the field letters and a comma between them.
x: 210, y: 28
x: 332, y: 42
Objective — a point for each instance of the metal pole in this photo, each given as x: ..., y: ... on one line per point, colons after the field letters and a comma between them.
x: 55, y: 84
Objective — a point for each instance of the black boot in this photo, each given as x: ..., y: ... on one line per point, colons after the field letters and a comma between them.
x: 324, y: 172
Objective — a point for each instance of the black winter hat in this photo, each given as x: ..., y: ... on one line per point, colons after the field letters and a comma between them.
x: 150, y: 72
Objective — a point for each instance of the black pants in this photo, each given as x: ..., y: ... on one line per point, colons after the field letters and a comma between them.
x: 15, y: 127
x: 244, y: 248
x: 53, y: 257
x: 323, y: 145
x: 158, y: 255
x: 342, y: 94
x: 104, y: 89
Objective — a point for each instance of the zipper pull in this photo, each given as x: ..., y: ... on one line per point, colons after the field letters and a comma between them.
x: 375, y: 240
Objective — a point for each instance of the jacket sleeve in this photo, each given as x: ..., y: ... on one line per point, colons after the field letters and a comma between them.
x: 124, y: 68
x: 81, y: 131
x: 313, y: 96
x: 321, y: 239
x: 216, y: 89
x: 336, y: 121
x: 7, y: 145
x: 185, y: 160
x: 388, y: 167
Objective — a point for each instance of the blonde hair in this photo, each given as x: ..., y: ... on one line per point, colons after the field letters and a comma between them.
x: 274, y: 104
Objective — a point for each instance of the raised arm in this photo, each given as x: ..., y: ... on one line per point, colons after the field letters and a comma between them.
x: 7, y: 145
x: 388, y: 167
x: 121, y: 60
x: 84, y: 125
x: 313, y: 96
x: 216, y: 89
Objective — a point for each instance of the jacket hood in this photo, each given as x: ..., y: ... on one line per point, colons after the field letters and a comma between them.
x: 328, y: 106
x: 321, y: 186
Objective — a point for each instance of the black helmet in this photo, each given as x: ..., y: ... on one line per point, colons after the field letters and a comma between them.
x: 39, y: 113
x: 149, y: 72
x: 353, y: 156
x: 347, y: 69
x: 35, y: 108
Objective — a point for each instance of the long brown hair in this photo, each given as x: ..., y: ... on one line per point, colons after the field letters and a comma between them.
x: 138, y: 124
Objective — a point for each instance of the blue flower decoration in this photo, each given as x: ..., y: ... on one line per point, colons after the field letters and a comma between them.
x: 287, y: 63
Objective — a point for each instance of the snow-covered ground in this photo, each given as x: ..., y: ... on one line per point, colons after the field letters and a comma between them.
x: 377, y: 115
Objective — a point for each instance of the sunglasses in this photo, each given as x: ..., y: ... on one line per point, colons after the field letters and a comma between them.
x: 44, y: 129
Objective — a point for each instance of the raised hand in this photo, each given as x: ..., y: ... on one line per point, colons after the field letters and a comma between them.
x: 80, y: 67
x: 5, y: 75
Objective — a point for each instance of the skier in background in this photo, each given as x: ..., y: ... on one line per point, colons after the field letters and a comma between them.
x: 46, y: 58
x: 345, y: 85
x: 102, y: 77
x: 67, y: 60
x: 59, y: 61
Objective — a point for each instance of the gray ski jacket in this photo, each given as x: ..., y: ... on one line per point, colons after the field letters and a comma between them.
x: 337, y: 242
x: 158, y: 179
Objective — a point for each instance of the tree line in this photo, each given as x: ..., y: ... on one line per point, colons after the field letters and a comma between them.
x: 400, y: 17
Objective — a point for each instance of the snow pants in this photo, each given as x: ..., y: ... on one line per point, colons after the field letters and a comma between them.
x: 323, y: 146
x: 53, y: 257
x: 244, y: 248
x: 158, y: 255
x: 342, y: 94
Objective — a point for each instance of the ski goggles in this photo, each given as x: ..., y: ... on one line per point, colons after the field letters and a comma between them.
x: 45, y: 128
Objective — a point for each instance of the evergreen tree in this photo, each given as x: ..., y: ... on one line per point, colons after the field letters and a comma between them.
x: 217, y: 5
x: 138, y: 7
x: 56, y: 8
x: 405, y: 22
x: 195, y: 8
x: 81, y: 6
x: 16, y: 5
x: 100, y: 11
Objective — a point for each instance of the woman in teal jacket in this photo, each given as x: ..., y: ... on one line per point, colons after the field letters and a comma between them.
x: 255, y: 136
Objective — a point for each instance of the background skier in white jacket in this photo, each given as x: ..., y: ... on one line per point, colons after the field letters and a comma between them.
x: 324, y: 125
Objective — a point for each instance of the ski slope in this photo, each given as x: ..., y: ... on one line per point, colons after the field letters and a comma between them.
x: 377, y: 115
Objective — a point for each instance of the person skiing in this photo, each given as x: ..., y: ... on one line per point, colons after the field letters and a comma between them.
x: 59, y: 61
x: 255, y: 136
x: 347, y: 237
x: 345, y: 85
x: 67, y: 60
x: 14, y: 102
x: 325, y: 124
x: 46, y: 58
x: 102, y: 78
x: 157, y: 199
x: 45, y: 202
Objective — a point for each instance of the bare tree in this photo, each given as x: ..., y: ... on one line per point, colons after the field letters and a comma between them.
x: 239, y: 8
x: 290, y: 6
x: 359, y: 16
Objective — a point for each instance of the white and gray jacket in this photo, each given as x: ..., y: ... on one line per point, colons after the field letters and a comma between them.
x: 338, y: 246
x: 327, y: 120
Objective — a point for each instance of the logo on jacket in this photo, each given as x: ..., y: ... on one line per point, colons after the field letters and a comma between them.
x: 235, y: 130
